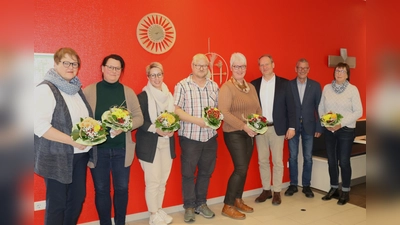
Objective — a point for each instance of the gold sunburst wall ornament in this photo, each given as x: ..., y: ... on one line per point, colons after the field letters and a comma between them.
x: 156, y: 33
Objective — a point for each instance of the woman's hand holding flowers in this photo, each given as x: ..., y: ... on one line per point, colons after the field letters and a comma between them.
x: 249, y: 131
x: 164, y: 133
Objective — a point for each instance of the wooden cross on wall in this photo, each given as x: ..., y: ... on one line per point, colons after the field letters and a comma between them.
x: 334, y: 60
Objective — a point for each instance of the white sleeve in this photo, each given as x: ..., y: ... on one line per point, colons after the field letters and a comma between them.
x: 44, y: 104
x: 152, y: 128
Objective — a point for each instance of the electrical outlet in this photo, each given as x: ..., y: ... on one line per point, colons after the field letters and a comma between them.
x: 40, y: 205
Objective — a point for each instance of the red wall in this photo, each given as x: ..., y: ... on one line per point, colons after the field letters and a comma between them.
x: 287, y: 30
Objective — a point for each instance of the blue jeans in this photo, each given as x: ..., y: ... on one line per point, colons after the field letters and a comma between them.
x: 64, y: 201
x: 338, y: 147
x: 200, y: 155
x: 240, y: 146
x: 111, y: 160
x: 307, y: 145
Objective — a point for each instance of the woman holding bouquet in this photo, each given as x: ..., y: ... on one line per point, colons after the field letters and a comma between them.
x: 340, y: 97
x: 155, y: 148
x: 236, y: 100
x: 116, y: 154
x: 60, y: 103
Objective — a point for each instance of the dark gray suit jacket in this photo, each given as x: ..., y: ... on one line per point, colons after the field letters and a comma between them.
x: 308, y: 110
x: 283, y: 112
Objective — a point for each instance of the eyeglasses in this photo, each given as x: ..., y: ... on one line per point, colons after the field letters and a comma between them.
x: 236, y: 67
x: 264, y: 65
x: 340, y: 71
x: 113, y: 68
x: 198, y: 66
x: 154, y: 75
x: 303, y: 68
x: 66, y: 64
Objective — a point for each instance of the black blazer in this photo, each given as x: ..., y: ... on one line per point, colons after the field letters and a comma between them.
x: 146, y: 142
x: 283, y: 111
x: 308, y: 110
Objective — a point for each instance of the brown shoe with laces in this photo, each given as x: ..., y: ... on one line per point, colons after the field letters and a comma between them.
x: 239, y: 204
x: 232, y: 212
x: 276, y: 200
x: 265, y: 194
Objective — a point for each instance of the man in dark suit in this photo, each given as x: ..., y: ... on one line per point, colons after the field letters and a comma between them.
x: 307, y: 95
x: 277, y: 105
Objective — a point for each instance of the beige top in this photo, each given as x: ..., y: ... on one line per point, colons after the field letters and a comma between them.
x: 233, y: 103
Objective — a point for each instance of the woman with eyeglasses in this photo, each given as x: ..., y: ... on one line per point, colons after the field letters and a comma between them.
x: 340, y: 97
x: 59, y: 104
x: 114, y: 156
x: 238, y: 99
x: 155, y: 148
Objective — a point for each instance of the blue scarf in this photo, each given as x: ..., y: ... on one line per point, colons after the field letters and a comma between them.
x: 70, y: 88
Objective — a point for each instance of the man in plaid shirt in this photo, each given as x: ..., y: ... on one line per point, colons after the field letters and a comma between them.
x: 198, y: 142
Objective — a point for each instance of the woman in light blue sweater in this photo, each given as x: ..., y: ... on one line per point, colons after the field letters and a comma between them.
x: 340, y: 97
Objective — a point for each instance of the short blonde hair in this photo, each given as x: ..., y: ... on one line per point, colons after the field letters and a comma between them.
x: 200, y: 56
x: 154, y: 65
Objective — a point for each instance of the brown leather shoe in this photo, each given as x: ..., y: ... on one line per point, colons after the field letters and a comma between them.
x: 265, y: 194
x: 239, y: 204
x: 277, y: 198
x: 232, y: 212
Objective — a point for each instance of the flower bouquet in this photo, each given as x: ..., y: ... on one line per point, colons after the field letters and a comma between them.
x: 118, y: 118
x: 257, y: 123
x: 213, y: 117
x: 89, y: 132
x: 331, y: 119
x: 168, y: 121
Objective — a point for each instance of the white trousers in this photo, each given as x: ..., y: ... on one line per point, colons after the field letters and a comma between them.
x: 266, y: 143
x: 156, y: 175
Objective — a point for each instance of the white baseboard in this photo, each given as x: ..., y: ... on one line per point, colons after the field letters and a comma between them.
x: 178, y: 208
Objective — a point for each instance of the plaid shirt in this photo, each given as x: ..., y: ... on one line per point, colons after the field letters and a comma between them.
x: 193, y: 99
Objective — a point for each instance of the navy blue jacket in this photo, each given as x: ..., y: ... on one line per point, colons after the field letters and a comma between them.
x: 283, y: 112
x: 308, y: 110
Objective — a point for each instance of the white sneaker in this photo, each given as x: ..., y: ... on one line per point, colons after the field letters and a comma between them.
x: 167, y: 218
x: 155, y: 219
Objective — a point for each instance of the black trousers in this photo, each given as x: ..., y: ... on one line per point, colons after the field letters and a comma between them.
x: 64, y: 201
x: 240, y: 146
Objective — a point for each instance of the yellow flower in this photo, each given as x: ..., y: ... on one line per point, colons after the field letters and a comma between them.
x: 170, y: 119
x: 164, y: 115
x: 329, y: 117
x: 119, y: 113
x: 97, y: 128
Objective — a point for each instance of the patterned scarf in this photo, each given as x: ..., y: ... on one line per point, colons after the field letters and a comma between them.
x: 243, y: 87
x: 339, y: 88
x: 70, y: 88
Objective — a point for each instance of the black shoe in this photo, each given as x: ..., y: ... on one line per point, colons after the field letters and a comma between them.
x: 344, y: 198
x: 333, y: 193
x: 308, y: 192
x: 291, y: 190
